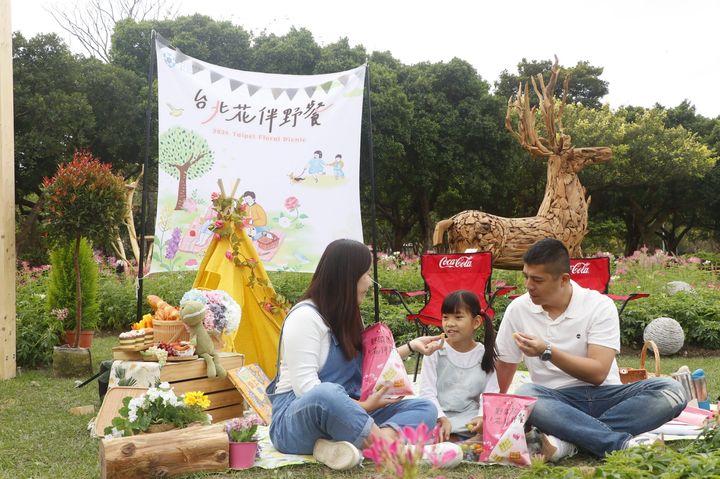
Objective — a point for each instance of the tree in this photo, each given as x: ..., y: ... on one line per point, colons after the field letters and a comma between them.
x: 184, y: 154
x: 652, y: 175
x: 93, y: 24
x: 294, y: 53
x: 585, y: 86
x: 83, y: 200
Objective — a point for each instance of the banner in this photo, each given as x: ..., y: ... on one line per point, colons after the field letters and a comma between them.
x: 293, y: 141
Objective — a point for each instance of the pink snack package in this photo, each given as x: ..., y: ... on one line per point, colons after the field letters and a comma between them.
x: 504, y: 428
x: 382, y: 364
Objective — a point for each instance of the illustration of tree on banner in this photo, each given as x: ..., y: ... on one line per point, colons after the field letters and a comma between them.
x: 184, y: 154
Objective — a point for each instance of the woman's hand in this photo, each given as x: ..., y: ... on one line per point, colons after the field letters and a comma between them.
x: 475, y: 425
x: 427, y: 345
x: 377, y: 400
x: 444, y: 428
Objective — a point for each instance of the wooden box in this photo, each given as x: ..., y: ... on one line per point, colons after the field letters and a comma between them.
x: 225, y: 400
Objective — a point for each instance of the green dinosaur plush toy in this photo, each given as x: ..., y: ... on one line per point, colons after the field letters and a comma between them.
x: 192, y: 313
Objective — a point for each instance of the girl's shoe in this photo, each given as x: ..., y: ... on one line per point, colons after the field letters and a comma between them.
x: 337, y: 455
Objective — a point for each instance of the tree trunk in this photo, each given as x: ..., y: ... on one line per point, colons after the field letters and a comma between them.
x: 78, y: 293
x: 182, y: 187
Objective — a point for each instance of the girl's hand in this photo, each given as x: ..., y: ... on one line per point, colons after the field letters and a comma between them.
x: 377, y: 400
x: 475, y: 425
x: 427, y: 345
x: 444, y: 428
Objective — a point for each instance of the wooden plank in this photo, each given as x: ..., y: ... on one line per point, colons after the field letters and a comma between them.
x: 172, y: 372
x: 125, y: 355
x: 227, y: 412
x: 204, y: 384
x: 7, y: 200
x: 224, y: 398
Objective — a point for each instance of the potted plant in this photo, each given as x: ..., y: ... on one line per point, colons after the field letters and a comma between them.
x: 84, y: 199
x: 243, y: 445
x: 157, y: 410
x: 61, y: 292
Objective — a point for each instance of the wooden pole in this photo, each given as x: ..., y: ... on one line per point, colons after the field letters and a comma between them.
x: 7, y: 199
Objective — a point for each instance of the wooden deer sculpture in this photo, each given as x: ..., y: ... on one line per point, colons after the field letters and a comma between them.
x: 563, y: 213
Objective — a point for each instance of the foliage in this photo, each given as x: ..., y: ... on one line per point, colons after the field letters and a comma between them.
x: 159, y: 405
x: 242, y: 429
x: 36, y: 331
x: 84, y: 199
x: 61, y: 293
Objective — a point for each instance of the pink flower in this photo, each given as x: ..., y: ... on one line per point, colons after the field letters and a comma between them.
x: 214, y: 195
x: 219, y: 224
x: 291, y: 203
x: 267, y: 307
x: 229, y: 254
x: 217, y: 236
x: 191, y: 262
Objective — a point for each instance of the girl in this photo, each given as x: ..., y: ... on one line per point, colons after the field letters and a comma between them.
x: 315, y: 395
x: 455, y: 377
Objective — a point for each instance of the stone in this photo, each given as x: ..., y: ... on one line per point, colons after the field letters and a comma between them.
x: 667, y: 334
x: 674, y: 287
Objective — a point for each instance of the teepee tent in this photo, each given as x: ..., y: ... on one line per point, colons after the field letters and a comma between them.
x: 232, y: 264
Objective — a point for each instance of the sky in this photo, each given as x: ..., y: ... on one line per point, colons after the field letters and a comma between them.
x: 652, y: 51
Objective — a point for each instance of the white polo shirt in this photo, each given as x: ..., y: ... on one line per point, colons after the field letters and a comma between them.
x: 590, y: 318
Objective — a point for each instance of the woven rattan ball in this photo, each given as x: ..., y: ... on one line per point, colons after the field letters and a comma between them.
x: 667, y: 334
x: 674, y: 287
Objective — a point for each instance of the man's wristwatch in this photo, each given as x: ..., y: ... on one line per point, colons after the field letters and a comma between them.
x: 547, y: 354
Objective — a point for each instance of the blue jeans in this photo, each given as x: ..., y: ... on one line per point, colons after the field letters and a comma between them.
x: 602, y: 419
x: 327, y: 411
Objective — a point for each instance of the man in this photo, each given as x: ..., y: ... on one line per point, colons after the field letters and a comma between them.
x: 568, y: 337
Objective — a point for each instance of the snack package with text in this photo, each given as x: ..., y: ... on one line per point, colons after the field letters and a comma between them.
x: 382, y: 364
x: 504, y: 428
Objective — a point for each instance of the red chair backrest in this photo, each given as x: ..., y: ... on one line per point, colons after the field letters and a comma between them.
x: 445, y: 273
x: 591, y: 273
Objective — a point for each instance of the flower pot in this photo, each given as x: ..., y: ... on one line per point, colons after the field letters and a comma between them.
x: 242, y: 454
x: 86, y: 338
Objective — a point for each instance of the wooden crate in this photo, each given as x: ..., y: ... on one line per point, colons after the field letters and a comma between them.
x: 225, y: 400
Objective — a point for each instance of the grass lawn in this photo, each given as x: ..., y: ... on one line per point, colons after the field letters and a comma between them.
x: 40, y: 439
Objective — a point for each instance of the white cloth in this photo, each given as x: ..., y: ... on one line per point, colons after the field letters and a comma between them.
x: 304, y: 350
x: 462, y: 365
x: 590, y: 318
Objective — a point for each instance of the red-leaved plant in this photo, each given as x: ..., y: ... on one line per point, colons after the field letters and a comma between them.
x: 83, y: 199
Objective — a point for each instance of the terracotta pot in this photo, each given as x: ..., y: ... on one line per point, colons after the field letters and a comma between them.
x: 86, y: 338
x: 242, y: 454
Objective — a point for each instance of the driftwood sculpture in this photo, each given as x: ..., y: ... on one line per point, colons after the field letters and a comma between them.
x: 563, y: 213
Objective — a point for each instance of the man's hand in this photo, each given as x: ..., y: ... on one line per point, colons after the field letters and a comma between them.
x: 444, y: 428
x: 378, y: 400
x: 529, y: 345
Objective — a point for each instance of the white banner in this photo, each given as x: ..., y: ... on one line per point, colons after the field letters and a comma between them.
x: 292, y: 140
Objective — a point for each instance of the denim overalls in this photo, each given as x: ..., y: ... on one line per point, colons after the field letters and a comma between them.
x: 330, y: 409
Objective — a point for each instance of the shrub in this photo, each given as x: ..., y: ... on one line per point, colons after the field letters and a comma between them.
x: 61, y: 293
x: 37, y: 332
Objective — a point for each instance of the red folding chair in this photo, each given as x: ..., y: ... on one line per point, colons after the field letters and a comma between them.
x: 594, y: 273
x: 443, y: 274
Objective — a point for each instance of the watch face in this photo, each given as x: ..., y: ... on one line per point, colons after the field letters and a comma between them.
x: 546, y: 355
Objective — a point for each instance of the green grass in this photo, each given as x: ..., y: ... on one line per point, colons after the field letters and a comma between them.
x: 40, y: 439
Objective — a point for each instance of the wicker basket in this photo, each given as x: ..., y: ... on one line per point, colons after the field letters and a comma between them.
x: 170, y: 331
x: 630, y: 375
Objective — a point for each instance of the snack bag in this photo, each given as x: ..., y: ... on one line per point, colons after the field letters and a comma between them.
x: 382, y: 364
x: 504, y: 428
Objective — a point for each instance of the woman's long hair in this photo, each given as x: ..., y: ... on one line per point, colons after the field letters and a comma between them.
x: 333, y: 289
x: 463, y: 300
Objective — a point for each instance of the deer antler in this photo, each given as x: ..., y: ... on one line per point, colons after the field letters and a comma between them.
x: 557, y: 141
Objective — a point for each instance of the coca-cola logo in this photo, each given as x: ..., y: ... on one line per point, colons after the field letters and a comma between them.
x: 459, y: 262
x: 580, y: 268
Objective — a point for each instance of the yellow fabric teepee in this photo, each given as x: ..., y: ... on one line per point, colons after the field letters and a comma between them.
x: 259, y: 332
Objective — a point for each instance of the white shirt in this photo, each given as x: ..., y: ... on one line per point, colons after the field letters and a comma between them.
x: 304, y: 350
x: 590, y: 318
x: 428, y: 377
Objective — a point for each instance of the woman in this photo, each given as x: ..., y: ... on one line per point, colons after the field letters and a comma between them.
x: 315, y: 394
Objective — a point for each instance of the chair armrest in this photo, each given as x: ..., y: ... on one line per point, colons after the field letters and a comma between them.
x: 402, y: 295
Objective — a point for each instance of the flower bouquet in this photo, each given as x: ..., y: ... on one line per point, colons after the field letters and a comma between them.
x: 159, y: 406
x: 223, y: 312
